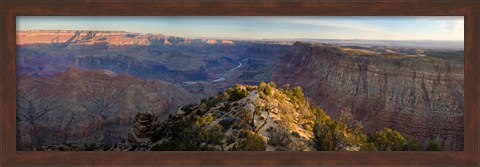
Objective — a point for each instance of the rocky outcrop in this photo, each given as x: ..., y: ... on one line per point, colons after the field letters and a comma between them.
x: 277, y: 120
x: 227, y: 42
x: 113, y: 38
x: 81, y: 37
x: 416, y: 96
x: 145, y: 124
x: 211, y: 41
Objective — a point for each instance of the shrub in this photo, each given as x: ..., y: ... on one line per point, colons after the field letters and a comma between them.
x: 433, y: 145
x: 272, y: 84
x: 187, y: 108
x: 348, y: 120
x: 215, y: 135
x: 368, y: 147
x: 298, y: 93
x: 236, y: 93
x: 212, y: 102
x: 244, y: 117
x: 410, y: 144
x: 242, y: 134
x: 279, y: 138
x: 174, y: 146
x: 262, y: 86
x: 267, y: 91
x: 325, y: 138
x: 252, y: 142
x: 388, y: 140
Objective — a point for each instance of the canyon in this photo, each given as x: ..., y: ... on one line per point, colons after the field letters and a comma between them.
x: 78, y: 106
x: 78, y: 86
x: 422, y: 98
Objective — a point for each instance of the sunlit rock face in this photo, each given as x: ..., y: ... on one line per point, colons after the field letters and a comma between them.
x: 60, y: 74
x: 415, y: 96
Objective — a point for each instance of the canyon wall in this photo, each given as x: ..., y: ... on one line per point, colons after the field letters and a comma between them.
x: 83, y: 107
x: 83, y: 37
x: 418, y: 97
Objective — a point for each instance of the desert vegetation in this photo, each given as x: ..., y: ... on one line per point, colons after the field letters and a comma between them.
x: 238, y: 120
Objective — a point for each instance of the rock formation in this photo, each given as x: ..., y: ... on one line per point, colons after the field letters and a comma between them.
x: 81, y: 37
x: 79, y: 106
x: 275, y: 119
x: 145, y: 124
x: 416, y: 96
x: 211, y: 41
x: 227, y: 42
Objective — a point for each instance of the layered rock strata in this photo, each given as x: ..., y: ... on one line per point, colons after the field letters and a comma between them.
x: 144, y: 126
x: 415, y: 96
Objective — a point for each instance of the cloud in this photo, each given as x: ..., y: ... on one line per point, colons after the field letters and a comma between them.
x: 459, y: 26
x: 451, y: 26
x: 399, y: 28
x: 346, y: 24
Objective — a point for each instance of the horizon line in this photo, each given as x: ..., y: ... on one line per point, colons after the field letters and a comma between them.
x: 242, y: 38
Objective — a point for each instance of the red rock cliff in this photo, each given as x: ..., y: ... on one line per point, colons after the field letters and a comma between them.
x: 420, y: 98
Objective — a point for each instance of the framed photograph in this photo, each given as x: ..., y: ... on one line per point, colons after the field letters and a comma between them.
x: 240, y: 83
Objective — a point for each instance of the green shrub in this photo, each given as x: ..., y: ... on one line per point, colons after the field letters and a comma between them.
x: 244, y: 117
x: 262, y: 86
x: 267, y: 91
x: 242, y: 134
x: 279, y: 138
x: 272, y: 84
x: 388, y: 140
x: 187, y: 108
x: 433, y: 145
x: 252, y: 142
x: 212, y: 102
x: 325, y: 138
x: 368, y: 147
x: 236, y: 93
x: 298, y: 93
x: 410, y: 144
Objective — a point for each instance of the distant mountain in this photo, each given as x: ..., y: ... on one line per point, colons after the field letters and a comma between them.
x: 424, y: 44
x: 72, y: 37
x: 148, y: 56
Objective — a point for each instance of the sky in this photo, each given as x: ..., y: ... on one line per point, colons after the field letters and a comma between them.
x: 264, y: 27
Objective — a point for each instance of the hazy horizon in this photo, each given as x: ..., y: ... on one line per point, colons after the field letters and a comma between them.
x: 395, y: 28
x: 240, y: 38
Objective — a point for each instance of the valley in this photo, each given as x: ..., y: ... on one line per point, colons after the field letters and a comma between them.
x: 86, y: 87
